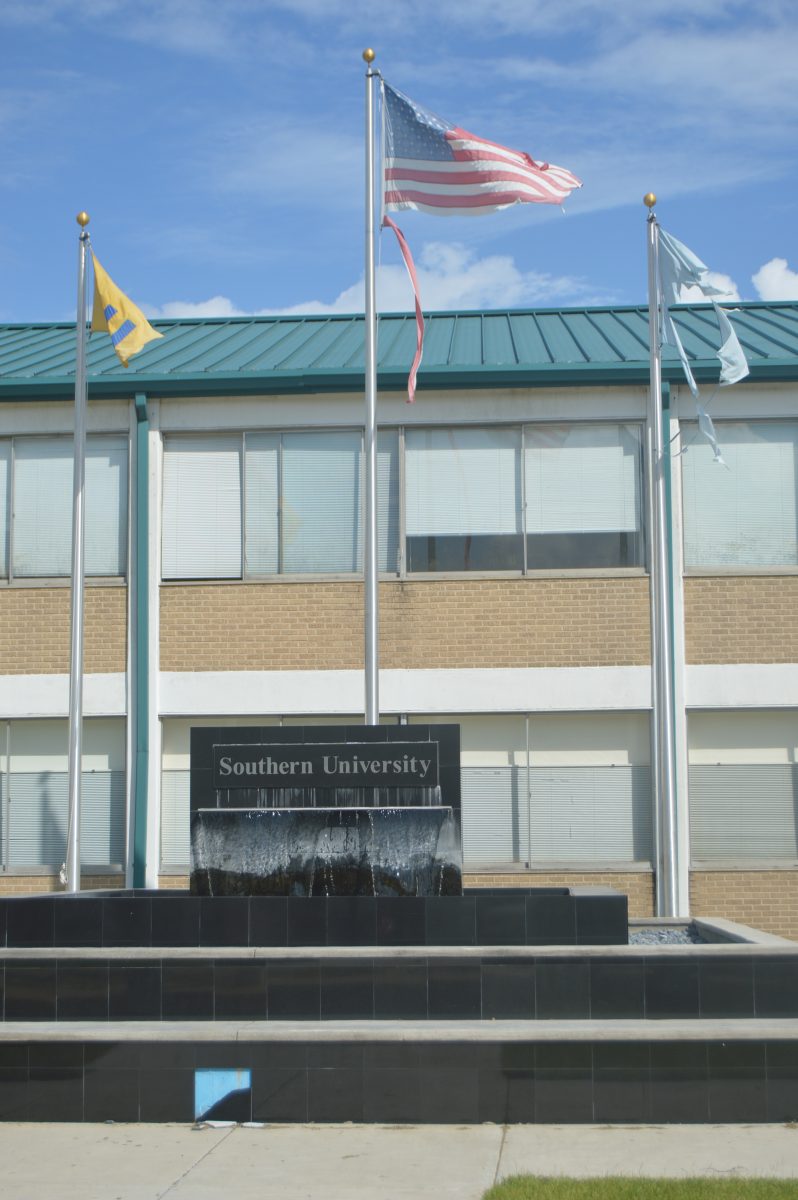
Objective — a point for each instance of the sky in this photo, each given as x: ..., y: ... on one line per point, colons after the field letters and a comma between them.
x: 218, y: 146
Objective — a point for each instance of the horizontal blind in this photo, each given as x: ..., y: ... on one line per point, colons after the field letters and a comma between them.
x: 42, y: 506
x: 591, y: 814
x: 746, y: 515
x: 39, y: 814
x: 744, y: 813
x: 462, y: 482
x: 262, y: 480
x: 582, y: 478
x: 106, y: 506
x: 490, y: 799
x: 175, y: 835
x: 387, y: 501
x: 201, y: 521
x: 5, y: 503
x: 321, y: 501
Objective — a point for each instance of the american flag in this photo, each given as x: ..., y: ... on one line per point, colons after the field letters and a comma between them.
x: 436, y: 167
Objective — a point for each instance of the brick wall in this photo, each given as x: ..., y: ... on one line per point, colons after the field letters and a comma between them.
x: 34, y: 630
x: 749, y: 619
x: 435, y: 624
x: 767, y: 900
x: 32, y: 885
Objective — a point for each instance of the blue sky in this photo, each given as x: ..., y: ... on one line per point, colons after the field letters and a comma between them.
x: 218, y: 147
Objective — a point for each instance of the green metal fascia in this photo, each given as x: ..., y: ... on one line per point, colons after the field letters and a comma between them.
x: 141, y: 643
x: 432, y: 379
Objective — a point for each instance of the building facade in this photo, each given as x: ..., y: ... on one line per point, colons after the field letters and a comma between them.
x: 224, y: 533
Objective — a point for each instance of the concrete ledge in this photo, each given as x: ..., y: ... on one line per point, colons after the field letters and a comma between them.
x: 768, y: 944
x: 745, y: 1030
x: 720, y: 930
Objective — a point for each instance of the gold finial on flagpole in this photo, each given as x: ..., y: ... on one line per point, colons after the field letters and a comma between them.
x: 649, y: 199
x: 369, y: 56
x: 83, y: 219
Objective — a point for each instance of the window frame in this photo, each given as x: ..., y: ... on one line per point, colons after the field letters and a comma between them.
x: 729, y: 570
x: 11, y: 578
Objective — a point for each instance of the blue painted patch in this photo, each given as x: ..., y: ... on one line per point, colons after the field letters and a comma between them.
x: 124, y: 329
x: 213, y: 1086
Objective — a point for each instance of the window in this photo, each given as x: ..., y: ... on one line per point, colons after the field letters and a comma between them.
x: 534, y: 497
x: 744, y: 516
x: 541, y: 497
x: 34, y: 786
x: 743, y: 783
x: 37, y: 474
x: 463, y: 500
x: 584, y: 794
x: 583, y: 496
x: 263, y: 504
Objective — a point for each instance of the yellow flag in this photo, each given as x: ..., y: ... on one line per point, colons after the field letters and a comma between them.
x: 114, y: 312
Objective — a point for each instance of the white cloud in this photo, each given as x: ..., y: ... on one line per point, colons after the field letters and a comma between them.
x: 450, y: 277
x: 729, y: 290
x: 775, y: 281
x: 217, y: 306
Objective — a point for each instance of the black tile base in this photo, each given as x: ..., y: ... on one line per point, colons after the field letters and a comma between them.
x: 416, y: 1082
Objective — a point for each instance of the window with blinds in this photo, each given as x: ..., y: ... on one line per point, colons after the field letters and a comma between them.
x: 746, y: 516
x: 743, y: 787
x: 463, y: 499
x: 34, y: 804
x: 263, y: 504
x: 583, y: 486
x: 36, y: 483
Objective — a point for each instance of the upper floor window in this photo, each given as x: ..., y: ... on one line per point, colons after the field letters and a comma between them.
x: 500, y: 498
x: 36, y: 506
x: 262, y: 504
x: 537, y: 497
x: 744, y: 516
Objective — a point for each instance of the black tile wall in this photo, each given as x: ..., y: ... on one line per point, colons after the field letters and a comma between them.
x: 410, y: 987
x: 569, y: 1082
x: 510, y: 916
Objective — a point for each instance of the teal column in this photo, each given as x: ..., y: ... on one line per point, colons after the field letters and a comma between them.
x: 141, y: 643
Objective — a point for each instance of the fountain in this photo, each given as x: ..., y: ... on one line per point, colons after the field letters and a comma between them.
x: 325, y: 811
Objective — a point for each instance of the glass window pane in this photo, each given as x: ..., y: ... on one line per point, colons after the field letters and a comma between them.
x: 583, y: 495
x: 202, y: 508
x: 387, y: 503
x: 321, y: 502
x: 746, y: 515
x: 463, y: 499
x: 42, y: 506
x: 106, y: 506
x: 262, y: 503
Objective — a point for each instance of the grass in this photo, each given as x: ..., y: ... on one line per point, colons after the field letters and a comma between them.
x: 531, y: 1187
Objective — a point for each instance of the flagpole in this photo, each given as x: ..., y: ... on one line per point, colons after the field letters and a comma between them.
x: 370, y: 563
x: 663, y: 732
x: 72, y: 865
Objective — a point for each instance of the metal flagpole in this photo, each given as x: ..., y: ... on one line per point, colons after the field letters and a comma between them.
x: 72, y: 865
x: 663, y: 739
x: 370, y: 565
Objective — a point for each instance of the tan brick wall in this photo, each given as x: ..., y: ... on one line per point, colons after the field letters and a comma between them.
x: 637, y: 885
x: 768, y: 900
x: 32, y: 885
x: 34, y: 630
x: 435, y: 624
x: 749, y: 619
x: 174, y: 882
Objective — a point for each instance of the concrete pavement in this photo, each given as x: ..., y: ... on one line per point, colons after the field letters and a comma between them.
x: 365, y: 1162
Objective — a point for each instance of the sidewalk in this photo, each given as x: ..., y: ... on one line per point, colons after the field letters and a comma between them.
x: 365, y: 1162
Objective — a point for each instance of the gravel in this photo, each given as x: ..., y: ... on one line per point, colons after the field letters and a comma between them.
x: 668, y: 935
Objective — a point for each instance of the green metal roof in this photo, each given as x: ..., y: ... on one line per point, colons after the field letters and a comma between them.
x: 285, y: 354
